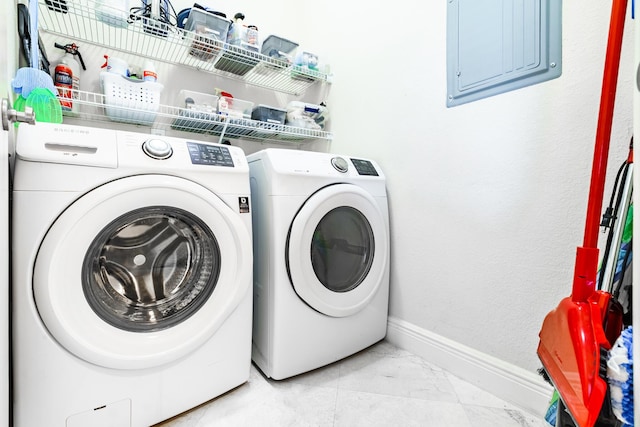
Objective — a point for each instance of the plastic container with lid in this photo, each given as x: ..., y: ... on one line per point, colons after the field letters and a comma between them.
x: 279, y: 48
x: 265, y: 113
x: 113, y: 12
x: 270, y: 121
x: 198, y: 111
x: 209, y: 33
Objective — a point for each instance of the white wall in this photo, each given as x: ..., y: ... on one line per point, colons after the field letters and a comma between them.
x: 487, y: 199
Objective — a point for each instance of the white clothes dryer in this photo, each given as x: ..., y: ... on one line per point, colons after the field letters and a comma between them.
x: 321, y: 258
x: 132, y: 272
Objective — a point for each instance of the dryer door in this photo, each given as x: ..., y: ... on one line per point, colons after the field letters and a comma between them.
x: 337, y: 250
x: 141, y: 271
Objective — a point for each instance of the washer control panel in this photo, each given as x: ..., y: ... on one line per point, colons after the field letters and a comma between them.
x: 212, y: 155
x: 364, y: 167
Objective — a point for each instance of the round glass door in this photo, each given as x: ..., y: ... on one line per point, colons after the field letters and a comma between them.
x: 141, y: 271
x: 151, y: 269
x: 337, y: 250
x: 342, y: 249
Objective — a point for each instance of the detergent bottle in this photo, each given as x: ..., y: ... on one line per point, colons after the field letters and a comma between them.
x: 67, y: 77
x: 149, y: 72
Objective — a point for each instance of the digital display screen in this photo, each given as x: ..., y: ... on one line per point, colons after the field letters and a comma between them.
x: 364, y: 167
x: 213, y: 155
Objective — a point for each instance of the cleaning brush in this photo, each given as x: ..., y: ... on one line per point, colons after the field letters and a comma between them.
x: 620, y: 377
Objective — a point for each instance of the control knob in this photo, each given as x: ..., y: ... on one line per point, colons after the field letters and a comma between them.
x: 157, y: 148
x: 340, y: 164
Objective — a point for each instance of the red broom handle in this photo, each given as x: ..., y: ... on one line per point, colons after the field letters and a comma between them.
x: 584, y: 279
x: 605, y: 119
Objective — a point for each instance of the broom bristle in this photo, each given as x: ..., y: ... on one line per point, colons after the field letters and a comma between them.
x: 543, y: 373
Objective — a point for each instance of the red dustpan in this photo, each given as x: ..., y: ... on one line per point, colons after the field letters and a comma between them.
x: 573, y: 344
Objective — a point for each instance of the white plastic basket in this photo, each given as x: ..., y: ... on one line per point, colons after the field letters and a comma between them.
x: 130, y: 100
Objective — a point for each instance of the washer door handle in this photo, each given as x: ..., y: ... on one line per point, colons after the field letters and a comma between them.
x: 10, y: 115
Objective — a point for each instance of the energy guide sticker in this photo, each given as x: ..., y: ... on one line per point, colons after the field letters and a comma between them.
x: 244, y: 204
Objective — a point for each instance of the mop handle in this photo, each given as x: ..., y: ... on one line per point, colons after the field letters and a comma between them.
x: 605, y: 119
x: 33, y: 24
x: 586, y: 267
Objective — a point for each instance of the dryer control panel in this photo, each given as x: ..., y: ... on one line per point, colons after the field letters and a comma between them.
x: 214, y: 155
x: 364, y: 167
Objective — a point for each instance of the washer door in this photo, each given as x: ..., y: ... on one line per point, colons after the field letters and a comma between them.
x: 141, y: 271
x: 337, y: 250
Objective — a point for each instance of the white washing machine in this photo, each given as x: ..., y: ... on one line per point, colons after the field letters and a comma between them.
x: 321, y: 258
x: 132, y: 272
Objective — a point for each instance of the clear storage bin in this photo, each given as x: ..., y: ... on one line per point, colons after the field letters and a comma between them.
x: 269, y: 121
x: 279, y: 48
x: 209, y: 33
x: 198, y: 111
x: 235, y: 117
x: 113, y: 12
x: 237, y: 60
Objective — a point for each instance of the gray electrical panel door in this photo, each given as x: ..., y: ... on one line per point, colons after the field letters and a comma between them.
x: 495, y: 46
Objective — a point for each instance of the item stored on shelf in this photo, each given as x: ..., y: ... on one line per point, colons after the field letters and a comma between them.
x: 242, y: 35
x: 209, y: 32
x: 198, y: 112
x: 308, y: 116
x: 113, y: 12
x: 237, y: 60
x: 270, y: 121
x: 67, y: 77
x: 149, y: 72
x: 234, y: 107
x: 240, y: 53
x: 279, y: 48
x: 156, y: 17
x: 130, y: 100
x: 234, y: 36
x: 234, y: 116
x: 198, y: 101
x: 116, y: 65
x: 265, y: 113
x: 251, y: 38
x: 307, y: 59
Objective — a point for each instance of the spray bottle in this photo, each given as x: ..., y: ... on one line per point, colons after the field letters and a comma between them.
x: 67, y: 77
x: 234, y: 36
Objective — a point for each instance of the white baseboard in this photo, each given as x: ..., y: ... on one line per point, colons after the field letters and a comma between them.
x: 522, y: 388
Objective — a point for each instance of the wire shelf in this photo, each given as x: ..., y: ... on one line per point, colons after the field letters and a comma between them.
x: 149, y: 38
x: 94, y: 106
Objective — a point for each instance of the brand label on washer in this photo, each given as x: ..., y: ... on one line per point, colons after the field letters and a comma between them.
x: 243, y: 202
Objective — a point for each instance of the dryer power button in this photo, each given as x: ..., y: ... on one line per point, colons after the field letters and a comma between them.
x: 340, y: 164
x: 157, y: 149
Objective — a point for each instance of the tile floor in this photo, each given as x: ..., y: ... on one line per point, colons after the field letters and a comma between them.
x: 380, y: 386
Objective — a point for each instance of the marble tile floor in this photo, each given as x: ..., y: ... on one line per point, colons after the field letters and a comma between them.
x: 380, y: 386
